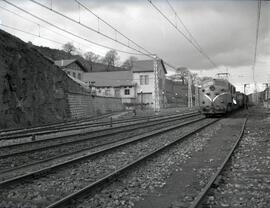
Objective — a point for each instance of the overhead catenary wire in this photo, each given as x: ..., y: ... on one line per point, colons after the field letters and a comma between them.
x: 112, y: 27
x: 91, y: 28
x: 256, y: 41
x: 184, y: 35
x: 184, y: 26
x: 29, y: 33
x: 68, y: 32
x: 117, y: 31
x: 77, y: 36
x: 148, y: 54
x: 39, y: 25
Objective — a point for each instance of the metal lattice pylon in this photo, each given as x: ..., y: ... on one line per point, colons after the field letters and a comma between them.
x: 197, y: 93
x: 156, y: 92
x: 190, y: 101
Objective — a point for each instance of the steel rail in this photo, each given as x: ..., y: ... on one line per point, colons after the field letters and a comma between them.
x: 115, y: 146
x: 139, y: 126
x: 77, y: 127
x: 96, y: 131
x: 37, y: 127
x: 110, y: 177
x: 59, y: 128
x: 59, y: 156
x: 198, y: 200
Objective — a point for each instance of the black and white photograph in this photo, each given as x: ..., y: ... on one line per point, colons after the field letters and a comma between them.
x: 134, y: 104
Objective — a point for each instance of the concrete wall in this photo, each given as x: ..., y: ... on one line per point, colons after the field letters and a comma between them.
x: 84, y: 105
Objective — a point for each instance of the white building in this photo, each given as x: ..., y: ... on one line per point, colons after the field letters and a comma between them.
x: 113, y: 84
x: 144, y: 77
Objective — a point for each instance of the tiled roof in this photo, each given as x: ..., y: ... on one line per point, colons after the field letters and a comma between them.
x: 111, y: 78
x: 66, y: 62
x: 147, y: 66
x: 99, y: 67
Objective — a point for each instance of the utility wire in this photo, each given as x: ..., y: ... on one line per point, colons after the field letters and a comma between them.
x: 26, y: 32
x: 38, y: 24
x: 116, y: 30
x: 90, y: 28
x: 77, y: 36
x: 151, y: 55
x: 183, y: 34
x: 68, y: 32
x: 184, y: 26
x: 256, y: 40
x: 108, y: 24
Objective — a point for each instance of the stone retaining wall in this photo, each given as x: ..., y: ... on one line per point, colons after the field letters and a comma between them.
x: 84, y: 105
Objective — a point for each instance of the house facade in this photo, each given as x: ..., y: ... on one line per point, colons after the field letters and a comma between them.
x: 144, y: 76
x: 72, y: 67
x: 113, y: 84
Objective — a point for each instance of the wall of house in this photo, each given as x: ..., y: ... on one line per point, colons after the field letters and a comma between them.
x: 74, y: 69
x: 149, y: 90
x: 131, y: 92
x: 110, y: 91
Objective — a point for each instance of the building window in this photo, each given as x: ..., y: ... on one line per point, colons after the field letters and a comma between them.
x: 144, y: 79
x: 74, y: 74
x: 127, y: 92
x: 79, y: 76
x: 107, y: 92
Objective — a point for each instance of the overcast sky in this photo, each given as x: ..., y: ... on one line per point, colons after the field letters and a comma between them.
x: 225, y: 30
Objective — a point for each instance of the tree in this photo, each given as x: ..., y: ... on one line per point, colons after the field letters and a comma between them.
x: 128, y: 64
x: 92, y: 57
x: 111, y: 58
x: 69, y: 47
x: 181, y: 75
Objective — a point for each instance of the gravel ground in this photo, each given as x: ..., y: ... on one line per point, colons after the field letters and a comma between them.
x: 69, y: 179
x: 150, y: 176
x: 246, y: 180
x: 32, y: 157
x: 153, y: 176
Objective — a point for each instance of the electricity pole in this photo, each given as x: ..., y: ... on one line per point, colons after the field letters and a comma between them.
x: 190, y: 101
x: 156, y: 92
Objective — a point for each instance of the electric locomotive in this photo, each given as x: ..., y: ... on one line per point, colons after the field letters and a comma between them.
x: 217, y: 96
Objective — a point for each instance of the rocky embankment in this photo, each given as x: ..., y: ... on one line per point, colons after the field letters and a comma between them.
x: 33, y: 90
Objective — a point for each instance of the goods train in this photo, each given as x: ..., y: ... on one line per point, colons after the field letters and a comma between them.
x: 218, y: 96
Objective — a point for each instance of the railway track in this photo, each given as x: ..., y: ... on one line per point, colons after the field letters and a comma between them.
x: 21, y: 160
x: 213, y: 180
x: 73, y: 128
x: 13, y: 131
x: 30, y: 152
x: 103, y: 166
